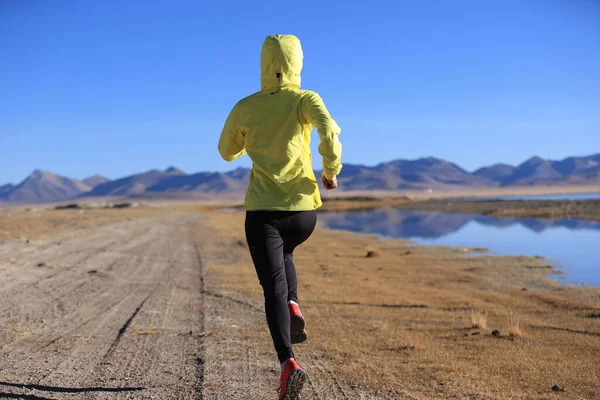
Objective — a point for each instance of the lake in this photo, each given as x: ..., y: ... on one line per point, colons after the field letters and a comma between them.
x: 573, y: 245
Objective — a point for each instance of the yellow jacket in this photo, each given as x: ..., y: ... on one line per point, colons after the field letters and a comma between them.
x: 274, y: 125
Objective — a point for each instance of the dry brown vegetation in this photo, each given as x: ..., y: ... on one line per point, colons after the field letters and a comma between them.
x: 514, y: 329
x: 363, y: 203
x: 478, y: 320
x: 33, y: 223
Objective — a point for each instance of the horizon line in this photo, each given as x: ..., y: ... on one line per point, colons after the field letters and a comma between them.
x: 315, y: 169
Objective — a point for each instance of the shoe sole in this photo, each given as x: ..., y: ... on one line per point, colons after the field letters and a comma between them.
x: 294, y: 385
x: 297, y: 332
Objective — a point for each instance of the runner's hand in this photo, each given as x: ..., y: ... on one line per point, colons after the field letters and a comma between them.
x: 329, y: 184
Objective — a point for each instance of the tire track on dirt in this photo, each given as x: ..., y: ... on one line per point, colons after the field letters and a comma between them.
x: 85, y: 349
x: 200, y: 363
x: 22, y: 396
x: 25, y: 298
x: 178, y: 295
x: 137, y: 321
x: 123, y: 329
x: 233, y: 300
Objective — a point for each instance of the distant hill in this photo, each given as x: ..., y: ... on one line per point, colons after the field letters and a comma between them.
x: 366, y: 178
x: 537, y: 171
x: 420, y: 174
x: 95, y: 180
x: 429, y: 170
x: 135, y: 184
x: 204, y: 182
x: 242, y: 174
x: 496, y: 172
x: 407, y: 175
x: 533, y: 169
x: 174, y: 171
x: 6, y: 188
x: 43, y: 186
x: 577, y: 165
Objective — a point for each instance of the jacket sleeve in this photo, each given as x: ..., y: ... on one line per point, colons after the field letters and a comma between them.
x: 330, y: 148
x: 232, y: 143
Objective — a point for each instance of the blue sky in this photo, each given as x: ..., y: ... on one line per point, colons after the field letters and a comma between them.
x: 118, y: 87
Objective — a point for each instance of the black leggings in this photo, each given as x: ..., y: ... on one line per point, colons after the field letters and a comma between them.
x: 272, y: 237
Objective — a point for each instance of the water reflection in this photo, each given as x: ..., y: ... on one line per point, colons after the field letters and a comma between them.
x: 432, y: 225
x: 572, y: 244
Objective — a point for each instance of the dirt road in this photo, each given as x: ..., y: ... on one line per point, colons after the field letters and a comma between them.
x: 124, y: 311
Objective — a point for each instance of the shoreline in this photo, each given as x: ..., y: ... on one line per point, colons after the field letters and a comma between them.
x: 588, y: 209
x: 547, y: 265
x: 431, y: 215
x: 467, y: 192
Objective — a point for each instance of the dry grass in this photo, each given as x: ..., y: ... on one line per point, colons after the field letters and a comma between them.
x: 397, y: 322
x: 146, y: 332
x: 34, y: 223
x: 514, y: 329
x: 360, y: 203
x: 478, y: 320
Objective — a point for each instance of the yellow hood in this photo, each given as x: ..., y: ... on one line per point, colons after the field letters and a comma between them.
x: 281, y: 62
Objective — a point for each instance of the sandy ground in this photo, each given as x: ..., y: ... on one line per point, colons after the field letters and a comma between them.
x: 114, y: 312
x: 164, y: 304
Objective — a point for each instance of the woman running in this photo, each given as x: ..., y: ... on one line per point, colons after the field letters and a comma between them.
x: 273, y: 127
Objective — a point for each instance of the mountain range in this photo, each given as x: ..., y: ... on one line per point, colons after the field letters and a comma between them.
x: 420, y: 174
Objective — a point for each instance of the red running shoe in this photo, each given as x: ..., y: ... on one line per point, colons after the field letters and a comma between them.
x: 292, y: 380
x: 297, y: 324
